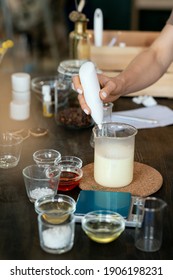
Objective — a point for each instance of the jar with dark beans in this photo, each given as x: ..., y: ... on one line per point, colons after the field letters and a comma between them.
x: 68, y: 112
x: 74, y: 118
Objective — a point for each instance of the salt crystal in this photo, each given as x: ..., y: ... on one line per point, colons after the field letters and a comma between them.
x: 39, y: 192
x: 57, y: 237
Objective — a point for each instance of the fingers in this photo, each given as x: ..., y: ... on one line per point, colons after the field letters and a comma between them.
x: 107, y: 91
x: 77, y: 85
x: 83, y: 104
x: 108, y: 88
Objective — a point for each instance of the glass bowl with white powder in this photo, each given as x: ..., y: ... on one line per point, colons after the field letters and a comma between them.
x: 40, y: 181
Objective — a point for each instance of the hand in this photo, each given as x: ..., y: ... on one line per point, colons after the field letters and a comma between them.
x: 107, y: 93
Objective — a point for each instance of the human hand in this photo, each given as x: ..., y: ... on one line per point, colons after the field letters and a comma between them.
x: 108, y: 92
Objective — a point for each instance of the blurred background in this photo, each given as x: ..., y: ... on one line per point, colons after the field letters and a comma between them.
x: 40, y: 28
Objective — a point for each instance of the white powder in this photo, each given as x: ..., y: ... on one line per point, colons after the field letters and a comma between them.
x: 39, y: 192
x: 57, y: 237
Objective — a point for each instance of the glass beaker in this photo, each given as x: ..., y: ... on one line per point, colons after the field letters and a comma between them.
x: 114, y: 154
x: 149, y: 228
x: 107, y: 117
x: 107, y: 112
x: 56, y: 234
x: 10, y: 149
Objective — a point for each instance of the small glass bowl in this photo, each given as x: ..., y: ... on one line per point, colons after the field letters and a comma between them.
x: 38, y: 82
x: 40, y: 181
x: 69, y: 161
x: 70, y: 178
x: 46, y: 157
x: 56, y: 209
x: 103, y: 226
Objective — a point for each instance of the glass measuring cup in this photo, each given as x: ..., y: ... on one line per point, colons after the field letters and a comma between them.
x: 148, y: 232
x: 107, y: 117
x: 114, y: 154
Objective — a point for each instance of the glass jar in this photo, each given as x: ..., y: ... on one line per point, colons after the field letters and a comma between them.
x: 68, y: 112
x: 107, y: 117
x: 114, y: 146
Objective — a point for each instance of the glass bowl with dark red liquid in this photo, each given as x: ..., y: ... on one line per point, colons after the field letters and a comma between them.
x: 70, y: 178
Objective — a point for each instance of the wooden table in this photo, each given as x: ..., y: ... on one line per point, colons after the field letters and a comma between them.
x: 18, y: 220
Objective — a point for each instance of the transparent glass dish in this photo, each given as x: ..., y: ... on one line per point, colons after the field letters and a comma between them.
x: 38, y: 82
x: 70, y: 177
x: 46, y: 157
x: 40, y: 181
x: 55, y: 208
x: 69, y: 161
x: 103, y: 226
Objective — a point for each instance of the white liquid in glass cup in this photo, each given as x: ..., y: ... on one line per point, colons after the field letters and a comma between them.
x: 114, y: 154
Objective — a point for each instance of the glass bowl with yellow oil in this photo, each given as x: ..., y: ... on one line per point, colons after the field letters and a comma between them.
x: 55, y: 209
x: 103, y: 226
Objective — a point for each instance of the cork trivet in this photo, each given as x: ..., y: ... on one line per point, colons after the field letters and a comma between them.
x: 146, y: 180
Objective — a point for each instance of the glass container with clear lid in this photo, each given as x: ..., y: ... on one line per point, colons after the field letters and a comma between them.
x: 68, y: 112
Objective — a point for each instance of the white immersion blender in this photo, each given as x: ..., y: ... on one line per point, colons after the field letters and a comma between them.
x: 98, y: 27
x: 91, y: 88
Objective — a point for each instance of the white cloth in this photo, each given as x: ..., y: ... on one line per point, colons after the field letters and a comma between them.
x: 162, y: 114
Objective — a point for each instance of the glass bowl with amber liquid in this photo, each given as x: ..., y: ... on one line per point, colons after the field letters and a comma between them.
x: 103, y: 226
x: 55, y: 209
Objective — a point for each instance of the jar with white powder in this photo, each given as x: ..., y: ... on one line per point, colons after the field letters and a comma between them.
x: 56, y: 235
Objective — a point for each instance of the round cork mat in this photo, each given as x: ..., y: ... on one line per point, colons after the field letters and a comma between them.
x: 146, y: 180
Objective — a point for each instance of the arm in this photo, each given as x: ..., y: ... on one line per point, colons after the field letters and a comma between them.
x: 143, y: 71
x: 148, y: 66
